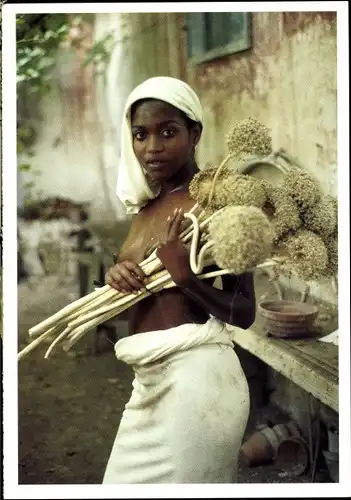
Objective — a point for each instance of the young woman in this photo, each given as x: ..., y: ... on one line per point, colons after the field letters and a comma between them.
x: 188, y: 411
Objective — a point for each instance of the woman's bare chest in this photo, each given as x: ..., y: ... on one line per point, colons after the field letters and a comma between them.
x: 150, y: 223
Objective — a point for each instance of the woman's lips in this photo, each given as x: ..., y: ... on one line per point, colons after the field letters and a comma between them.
x: 155, y: 165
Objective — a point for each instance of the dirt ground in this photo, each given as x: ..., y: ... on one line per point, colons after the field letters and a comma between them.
x: 70, y: 406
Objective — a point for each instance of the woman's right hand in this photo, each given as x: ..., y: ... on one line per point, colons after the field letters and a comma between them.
x: 125, y: 277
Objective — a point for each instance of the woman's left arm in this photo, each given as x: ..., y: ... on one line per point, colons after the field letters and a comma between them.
x: 234, y: 304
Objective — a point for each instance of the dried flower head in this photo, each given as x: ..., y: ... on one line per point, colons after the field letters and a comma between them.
x: 331, y: 243
x: 249, y: 138
x: 307, y: 254
x: 201, y: 184
x: 242, y: 237
x: 241, y: 189
x: 321, y: 218
x: 285, y: 217
x: 335, y: 203
x: 303, y: 187
x: 230, y: 189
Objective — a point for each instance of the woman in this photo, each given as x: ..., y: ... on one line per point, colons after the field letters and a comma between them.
x: 185, y: 420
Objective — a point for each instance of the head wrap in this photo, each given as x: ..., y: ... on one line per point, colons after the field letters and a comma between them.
x: 132, y: 187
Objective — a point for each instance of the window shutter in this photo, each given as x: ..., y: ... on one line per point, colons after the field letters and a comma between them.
x: 195, y: 24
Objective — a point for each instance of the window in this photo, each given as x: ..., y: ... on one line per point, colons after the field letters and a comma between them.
x: 216, y: 34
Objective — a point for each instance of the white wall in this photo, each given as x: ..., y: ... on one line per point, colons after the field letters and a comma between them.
x: 77, y: 145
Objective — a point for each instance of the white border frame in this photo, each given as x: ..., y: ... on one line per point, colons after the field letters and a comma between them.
x: 11, y: 487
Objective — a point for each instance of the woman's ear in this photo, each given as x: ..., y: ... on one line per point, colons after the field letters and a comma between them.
x: 196, y: 133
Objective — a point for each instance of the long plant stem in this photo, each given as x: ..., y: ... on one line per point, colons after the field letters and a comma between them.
x: 126, y: 300
x: 80, y: 331
x: 149, y: 266
x: 58, y: 339
x: 35, y: 343
x: 214, y: 180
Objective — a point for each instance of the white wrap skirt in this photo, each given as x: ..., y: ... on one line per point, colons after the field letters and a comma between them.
x: 188, y: 411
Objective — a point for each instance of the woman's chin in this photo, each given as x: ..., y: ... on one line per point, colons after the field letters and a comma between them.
x: 156, y: 178
x: 154, y: 184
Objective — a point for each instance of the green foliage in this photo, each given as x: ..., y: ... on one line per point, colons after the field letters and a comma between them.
x: 39, y: 40
x: 40, y: 37
x: 100, y: 52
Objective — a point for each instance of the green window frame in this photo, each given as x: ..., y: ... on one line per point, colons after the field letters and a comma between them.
x: 211, y: 35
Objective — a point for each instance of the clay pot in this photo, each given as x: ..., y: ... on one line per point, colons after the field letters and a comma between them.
x: 257, y: 450
x: 287, y: 430
x: 262, y: 447
x: 272, y: 437
x: 282, y: 431
x: 286, y: 318
x: 292, y: 456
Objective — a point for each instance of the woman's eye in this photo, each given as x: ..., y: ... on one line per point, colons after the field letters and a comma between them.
x: 139, y: 135
x: 168, y: 133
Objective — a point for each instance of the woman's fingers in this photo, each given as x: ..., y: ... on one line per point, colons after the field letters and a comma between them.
x: 109, y: 280
x: 173, y: 227
x: 128, y: 280
x: 175, y: 224
x: 126, y: 277
x: 134, y: 268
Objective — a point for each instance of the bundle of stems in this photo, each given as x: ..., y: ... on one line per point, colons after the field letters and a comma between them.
x: 72, y: 322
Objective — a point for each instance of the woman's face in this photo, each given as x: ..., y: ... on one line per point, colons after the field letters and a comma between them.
x: 162, y: 140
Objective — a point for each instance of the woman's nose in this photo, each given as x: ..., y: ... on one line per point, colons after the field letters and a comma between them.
x: 154, y: 144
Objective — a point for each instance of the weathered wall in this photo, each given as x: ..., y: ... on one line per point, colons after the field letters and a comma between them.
x: 147, y: 45
x: 69, y: 152
x: 287, y: 80
x: 78, y: 142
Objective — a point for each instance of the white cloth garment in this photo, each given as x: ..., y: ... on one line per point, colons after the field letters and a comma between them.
x: 188, y: 411
x: 132, y: 187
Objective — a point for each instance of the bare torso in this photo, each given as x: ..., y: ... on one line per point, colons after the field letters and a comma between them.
x: 168, y: 308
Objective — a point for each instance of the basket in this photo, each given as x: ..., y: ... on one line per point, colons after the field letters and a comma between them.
x: 287, y: 318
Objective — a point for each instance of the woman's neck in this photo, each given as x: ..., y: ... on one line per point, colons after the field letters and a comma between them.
x: 181, y: 179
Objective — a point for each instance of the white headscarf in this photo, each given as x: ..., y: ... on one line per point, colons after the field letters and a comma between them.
x: 132, y: 187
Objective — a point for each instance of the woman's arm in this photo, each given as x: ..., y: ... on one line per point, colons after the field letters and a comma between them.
x: 234, y: 304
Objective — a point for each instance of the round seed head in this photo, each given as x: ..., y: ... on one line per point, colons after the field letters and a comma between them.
x: 242, y: 237
x: 307, y: 254
x: 249, y: 138
x: 285, y: 216
x: 201, y: 184
x: 230, y: 189
x: 331, y: 243
x: 321, y: 218
x: 240, y: 189
x: 303, y: 187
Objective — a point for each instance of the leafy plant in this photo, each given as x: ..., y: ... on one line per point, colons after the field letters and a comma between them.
x: 39, y: 40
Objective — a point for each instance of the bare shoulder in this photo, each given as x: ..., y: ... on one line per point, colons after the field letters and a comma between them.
x: 182, y: 199
x: 165, y: 205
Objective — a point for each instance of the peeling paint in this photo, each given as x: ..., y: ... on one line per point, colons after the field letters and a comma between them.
x: 77, y: 95
x: 287, y: 80
x: 296, y: 22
